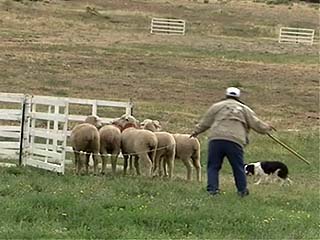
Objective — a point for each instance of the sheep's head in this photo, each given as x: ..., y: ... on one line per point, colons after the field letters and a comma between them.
x: 94, y: 120
x: 126, y: 121
x: 151, y: 125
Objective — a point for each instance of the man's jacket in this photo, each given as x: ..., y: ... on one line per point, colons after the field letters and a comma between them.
x: 230, y: 120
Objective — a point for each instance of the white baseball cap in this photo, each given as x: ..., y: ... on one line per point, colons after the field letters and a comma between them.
x: 233, y: 92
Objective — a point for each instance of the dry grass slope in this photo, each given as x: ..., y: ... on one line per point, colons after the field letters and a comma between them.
x: 58, y: 48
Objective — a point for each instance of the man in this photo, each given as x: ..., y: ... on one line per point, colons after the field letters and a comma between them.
x: 229, y: 121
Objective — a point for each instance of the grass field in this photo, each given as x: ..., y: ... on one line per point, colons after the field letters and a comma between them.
x: 38, y: 204
x: 58, y: 48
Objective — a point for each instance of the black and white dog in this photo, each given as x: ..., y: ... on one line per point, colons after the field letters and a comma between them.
x: 266, y: 170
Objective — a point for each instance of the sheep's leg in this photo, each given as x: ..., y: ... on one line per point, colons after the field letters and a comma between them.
x: 165, y: 168
x: 170, y: 162
x: 114, y: 158
x: 104, y: 161
x: 146, y: 163
x: 87, y: 162
x: 197, y: 166
x: 76, y: 162
x: 136, y: 165
x: 160, y: 170
x: 95, y: 162
x: 187, y: 163
x: 125, y: 164
x: 156, y: 165
x: 131, y: 163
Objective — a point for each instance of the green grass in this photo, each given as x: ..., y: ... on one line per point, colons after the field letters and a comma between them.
x: 139, y: 208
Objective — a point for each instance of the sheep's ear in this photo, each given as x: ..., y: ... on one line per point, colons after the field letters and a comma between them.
x: 157, y: 124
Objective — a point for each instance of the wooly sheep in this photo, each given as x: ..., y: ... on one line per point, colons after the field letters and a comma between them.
x: 139, y: 143
x: 188, y: 148
x: 166, y: 148
x: 110, y: 143
x: 85, y: 138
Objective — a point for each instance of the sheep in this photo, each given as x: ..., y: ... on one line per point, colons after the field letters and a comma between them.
x: 126, y: 121
x: 166, y: 148
x: 188, y: 148
x: 139, y: 143
x: 110, y: 143
x: 85, y: 137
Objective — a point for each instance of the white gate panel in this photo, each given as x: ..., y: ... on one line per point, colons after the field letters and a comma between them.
x: 10, y: 124
x: 296, y: 35
x: 168, y: 26
x: 47, y: 132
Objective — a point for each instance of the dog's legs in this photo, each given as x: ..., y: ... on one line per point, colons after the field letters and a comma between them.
x: 269, y: 178
x: 282, y: 182
x: 263, y: 178
x: 276, y: 175
x: 259, y: 181
x: 289, y: 181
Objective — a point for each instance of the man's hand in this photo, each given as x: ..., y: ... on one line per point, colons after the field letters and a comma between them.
x: 271, y: 128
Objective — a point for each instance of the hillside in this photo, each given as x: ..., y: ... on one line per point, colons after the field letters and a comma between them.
x: 59, y: 48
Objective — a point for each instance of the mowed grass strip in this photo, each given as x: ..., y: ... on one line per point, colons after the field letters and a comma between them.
x: 39, y: 204
x: 185, y: 51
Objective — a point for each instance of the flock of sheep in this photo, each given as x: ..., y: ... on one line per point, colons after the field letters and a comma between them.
x: 140, y: 144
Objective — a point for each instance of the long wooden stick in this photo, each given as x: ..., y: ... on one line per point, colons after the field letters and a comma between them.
x: 288, y: 148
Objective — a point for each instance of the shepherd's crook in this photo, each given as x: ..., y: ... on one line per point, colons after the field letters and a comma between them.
x: 288, y: 148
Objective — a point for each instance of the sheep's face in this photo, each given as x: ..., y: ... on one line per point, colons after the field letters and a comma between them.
x: 151, y: 125
x: 126, y: 121
x: 157, y: 125
x: 94, y: 120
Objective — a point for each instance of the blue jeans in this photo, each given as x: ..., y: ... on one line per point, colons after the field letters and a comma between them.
x: 218, y: 149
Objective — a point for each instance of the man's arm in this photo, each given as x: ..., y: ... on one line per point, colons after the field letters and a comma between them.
x: 206, y: 121
x: 255, y: 123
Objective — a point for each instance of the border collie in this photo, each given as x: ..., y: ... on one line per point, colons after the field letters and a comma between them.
x: 267, y: 169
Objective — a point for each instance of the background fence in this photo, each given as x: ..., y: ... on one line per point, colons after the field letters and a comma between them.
x: 168, y: 26
x: 296, y: 35
x: 35, y: 129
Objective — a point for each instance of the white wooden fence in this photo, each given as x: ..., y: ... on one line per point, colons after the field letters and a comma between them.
x: 10, y: 124
x: 168, y: 26
x: 296, y: 35
x: 46, y: 123
x: 46, y: 133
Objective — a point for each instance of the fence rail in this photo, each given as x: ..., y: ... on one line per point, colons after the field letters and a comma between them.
x: 296, y: 35
x: 40, y: 135
x: 168, y: 26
